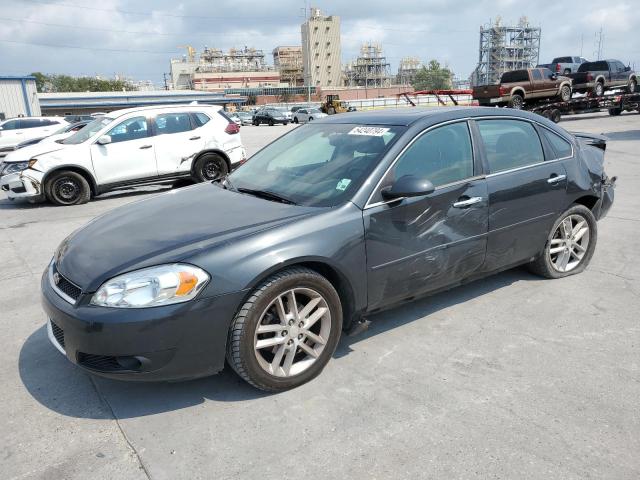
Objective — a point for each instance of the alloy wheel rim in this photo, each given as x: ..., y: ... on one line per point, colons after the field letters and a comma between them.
x: 517, y: 103
x: 292, y: 332
x: 569, y: 243
x: 67, y: 189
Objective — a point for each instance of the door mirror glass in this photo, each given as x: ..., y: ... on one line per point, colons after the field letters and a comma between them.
x: 408, y: 186
x: 104, y: 140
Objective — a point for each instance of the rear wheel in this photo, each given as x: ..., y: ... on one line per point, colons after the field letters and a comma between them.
x: 614, y: 112
x: 286, y: 332
x: 67, y: 188
x: 598, y: 90
x: 633, y: 86
x: 555, y: 115
x: 565, y: 93
x: 270, y: 123
x: 517, y: 101
x: 331, y: 111
x: 210, y: 167
x: 570, y: 244
x: 310, y: 118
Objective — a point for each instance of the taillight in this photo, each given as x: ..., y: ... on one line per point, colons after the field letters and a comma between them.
x: 589, y: 77
x: 557, y: 67
x: 232, y: 128
x: 503, y: 91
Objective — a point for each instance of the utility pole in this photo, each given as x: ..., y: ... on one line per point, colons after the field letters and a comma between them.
x: 599, y: 41
x: 164, y: 76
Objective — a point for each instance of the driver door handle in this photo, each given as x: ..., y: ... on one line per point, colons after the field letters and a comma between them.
x: 467, y: 202
x: 145, y: 146
x: 553, y: 179
x: 194, y: 138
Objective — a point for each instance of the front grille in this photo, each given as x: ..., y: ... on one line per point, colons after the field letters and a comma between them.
x: 103, y: 363
x: 58, y: 334
x: 65, y: 286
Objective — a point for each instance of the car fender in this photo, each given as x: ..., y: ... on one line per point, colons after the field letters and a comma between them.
x: 600, y: 78
x: 212, y: 149
x: 74, y: 168
x: 518, y: 90
x: 563, y: 83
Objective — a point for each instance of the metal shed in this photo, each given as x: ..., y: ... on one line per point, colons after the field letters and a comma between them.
x: 18, y: 97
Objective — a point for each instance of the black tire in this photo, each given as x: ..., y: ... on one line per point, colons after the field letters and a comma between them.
x: 633, y: 86
x: 566, y: 71
x: 614, y: 112
x: 547, y: 113
x: 310, y: 118
x: 210, y: 167
x: 598, y: 89
x: 270, y: 123
x: 256, y: 123
x: 565, y: 93
x: 331, y: 111
x: 516, y: 101
x: 67, y: 188
x: 555, y: 115
x: 295, y: 120
x: 543, y: 265
x: 240, y: 346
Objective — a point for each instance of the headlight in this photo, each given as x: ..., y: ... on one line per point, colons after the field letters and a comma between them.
x: 152, y: 287
x: 13, y: 167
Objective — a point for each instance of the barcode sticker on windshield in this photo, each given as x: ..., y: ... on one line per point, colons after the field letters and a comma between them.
x: 370, y: 131
x: 343, y: 184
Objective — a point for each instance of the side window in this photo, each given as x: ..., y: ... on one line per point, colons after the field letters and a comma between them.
x: 442, y: 155
x: 510, y: 144
x: 561, y: 147
x: 200, y: 118
x: 11, y: 125
x: 536, y: 74
x: 31, y: 123
x: 131, y: 129
x: 167, y: 123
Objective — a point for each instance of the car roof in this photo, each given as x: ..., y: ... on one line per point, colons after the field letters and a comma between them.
x: 126, y: 111
x: 410, y: 115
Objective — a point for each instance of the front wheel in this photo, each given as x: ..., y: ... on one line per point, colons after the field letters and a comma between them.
x: 633, y: 86
x: 287, y: 330
x: 565, y: 93
x: 570, y: 244
x: 67, y: 188
x: 598, y: 90
x: 295, y: 119
x: 210, y: 167
x: 310, y: 119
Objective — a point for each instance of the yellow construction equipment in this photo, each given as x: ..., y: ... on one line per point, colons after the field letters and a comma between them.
x: 332, y: 104
x: 191, y: 52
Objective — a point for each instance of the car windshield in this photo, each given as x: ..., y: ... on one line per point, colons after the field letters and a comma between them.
x: 320, y: 165
x: 64, y: 129
x: 88, y: 131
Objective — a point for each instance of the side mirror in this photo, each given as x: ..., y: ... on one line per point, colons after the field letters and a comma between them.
x: 103, y: 140
x: 408, y: 186
x: 553, y: 76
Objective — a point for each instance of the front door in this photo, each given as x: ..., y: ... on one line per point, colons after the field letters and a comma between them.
x: 526, y: 192
x: 130, y: 156
x: 415, y: 245
x: 176, y: 142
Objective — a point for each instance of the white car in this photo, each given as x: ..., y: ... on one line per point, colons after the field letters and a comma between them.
x: 16, y: 130
x: 304, y: 115
x: 137, y: 146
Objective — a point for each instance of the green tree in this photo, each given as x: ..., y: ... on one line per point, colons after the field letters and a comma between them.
x: 41, y: 81
x: 67, y: 83
x: 433, y: 77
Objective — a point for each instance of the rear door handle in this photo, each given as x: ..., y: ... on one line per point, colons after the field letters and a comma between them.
x: 145, y: 147
x: 467, y: 203
x: 194, y: 138
x: 555, y: 179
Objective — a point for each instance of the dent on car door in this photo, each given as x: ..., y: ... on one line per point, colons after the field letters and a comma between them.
x: 419, y: 244
x: 527, y: 190
x: 178, y: 139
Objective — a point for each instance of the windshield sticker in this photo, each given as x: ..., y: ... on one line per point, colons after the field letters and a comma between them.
x: 343, y: 184
x: 369, y: 131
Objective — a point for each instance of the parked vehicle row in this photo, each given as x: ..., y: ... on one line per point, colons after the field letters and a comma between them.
x: 16, y: 130
x: 128, y: 147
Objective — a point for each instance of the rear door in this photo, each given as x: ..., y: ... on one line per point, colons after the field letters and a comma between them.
x: 420, y: 244
x: 177, y: 140
x: 539, y: 85
x: 129, y: 157
x: 620, y: 76
x: 526, y: 191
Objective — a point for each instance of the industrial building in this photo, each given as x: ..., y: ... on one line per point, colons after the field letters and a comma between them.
x: 321, y: 52
x: 216, y: 70
x: 370, y: 69
x: 407, y: 70
x: 505, y: 48
x: 18, y: 97
x: 288, y: 61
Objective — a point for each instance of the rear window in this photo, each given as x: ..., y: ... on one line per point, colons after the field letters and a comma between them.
x: 562, y: 60
x: 200, y: 118
x: 515, y: 76
x: 561, y: 147
x: 593, y: 67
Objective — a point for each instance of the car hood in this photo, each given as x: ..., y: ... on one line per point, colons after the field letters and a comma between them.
x: 166, y: 228
x: 30, y: 151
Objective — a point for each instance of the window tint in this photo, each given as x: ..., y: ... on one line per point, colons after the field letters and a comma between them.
x: 11, y: 125
x: 200, y: 118
x: 167, y: 123
x: 510, y: 144
x: 131, y: 129
x: 31, y: 123
x: 618, y: 66
x: 561, y: 147
x: 515, y: 76
x: 594, y: 67
x: 546, y: 73
x: 536, y: 74
x: 442, y: 155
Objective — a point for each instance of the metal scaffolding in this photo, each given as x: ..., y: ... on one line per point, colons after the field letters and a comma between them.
x: 407, y: 70
x: 505, y: 48
x: 370, y: 69
x: 235, y: 60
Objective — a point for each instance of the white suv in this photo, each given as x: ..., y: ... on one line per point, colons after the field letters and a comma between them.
x: 137, y: 146
x: 17, y: 130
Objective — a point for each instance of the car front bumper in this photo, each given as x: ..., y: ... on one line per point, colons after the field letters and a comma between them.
x: 173, y: 342
x: 25, y: 184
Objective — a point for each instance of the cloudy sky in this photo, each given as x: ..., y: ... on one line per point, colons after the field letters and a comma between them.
x: 84, y: 37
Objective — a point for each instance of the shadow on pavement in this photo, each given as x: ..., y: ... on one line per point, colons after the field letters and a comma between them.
x: 66, y: 389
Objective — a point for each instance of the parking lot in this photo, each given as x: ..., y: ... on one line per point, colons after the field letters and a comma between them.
x: 509, y: 377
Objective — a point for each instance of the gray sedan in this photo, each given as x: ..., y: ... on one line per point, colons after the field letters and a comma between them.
x: 305, y: 115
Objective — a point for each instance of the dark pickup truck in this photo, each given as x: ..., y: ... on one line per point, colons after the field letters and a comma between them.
x: 596, y: 77
x: 518, y: 86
